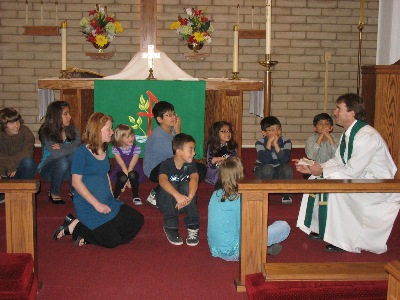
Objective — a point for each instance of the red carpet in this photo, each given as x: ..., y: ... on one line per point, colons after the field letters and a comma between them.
x: 150, y: 267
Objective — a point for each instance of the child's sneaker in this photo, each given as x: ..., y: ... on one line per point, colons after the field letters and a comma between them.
x: 286, y: 200
x: 137, y: 201
x: 151, y: 199
x: 193, y: 237
x: 173, y: 236
x: 274, y: 249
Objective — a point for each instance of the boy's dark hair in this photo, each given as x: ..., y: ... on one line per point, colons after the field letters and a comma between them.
x: 353, y: 103
x: 322, y: 116
x: 161, y: 108
x: 268, y: 122
x: 179, y: 141
x: 9, y: 115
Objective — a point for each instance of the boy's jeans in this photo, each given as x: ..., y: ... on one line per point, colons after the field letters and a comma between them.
x: 166, y: 203
x: 271, y: 172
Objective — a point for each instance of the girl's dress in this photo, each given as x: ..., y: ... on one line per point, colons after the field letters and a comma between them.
x: 127, y: 155
x: 212, y: 169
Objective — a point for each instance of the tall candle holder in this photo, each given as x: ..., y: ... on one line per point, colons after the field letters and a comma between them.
x: 269, y: 65
x: 360, y: 29
x: 235, y: 76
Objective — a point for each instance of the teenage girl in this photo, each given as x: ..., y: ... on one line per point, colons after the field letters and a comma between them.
x: 221, y: 145
x: 59, y: 138
x: 127, y: 171
x: 224, y: 216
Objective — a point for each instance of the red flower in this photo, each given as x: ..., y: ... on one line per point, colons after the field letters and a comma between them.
x: 197, y: 12
x: 91, y: 39
x: 110, y: 19
x: 191, y: 40
x: 94, y: 23
x: 92, y: 12
x: 183, y: 21
x: 204, y: 19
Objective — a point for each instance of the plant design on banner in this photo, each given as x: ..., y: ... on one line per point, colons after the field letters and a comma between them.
x: 195, y: 28
x: 99, y: 28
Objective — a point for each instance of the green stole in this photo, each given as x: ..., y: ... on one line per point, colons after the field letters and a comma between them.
x: 323, y: 198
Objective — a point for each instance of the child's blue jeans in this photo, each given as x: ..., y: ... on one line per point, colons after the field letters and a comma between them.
x: 166, y: 203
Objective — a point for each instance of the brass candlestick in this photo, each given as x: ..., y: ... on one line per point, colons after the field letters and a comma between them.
x: 64, y: 74
x: 360, y: 29
x: 151, y: 76
x: 269, y: 65
x: 235, y: 76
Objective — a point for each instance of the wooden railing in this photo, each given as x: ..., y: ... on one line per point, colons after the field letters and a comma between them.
x: 254, y: 195
x: 20, y: 215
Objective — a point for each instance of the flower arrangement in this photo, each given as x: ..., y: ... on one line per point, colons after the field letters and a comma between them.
x: 100, y: 29
x: 195, y: 28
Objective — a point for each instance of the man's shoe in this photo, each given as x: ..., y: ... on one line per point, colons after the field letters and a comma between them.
x: 193, y: 237
x: 274, y: 249
x: 287, y: 200
x: 151, y: 199
x: 332, y: 248
x: 173, y: 236
x: 314, y: 236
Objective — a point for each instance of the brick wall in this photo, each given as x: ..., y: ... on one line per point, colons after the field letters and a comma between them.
x: 302, y: 32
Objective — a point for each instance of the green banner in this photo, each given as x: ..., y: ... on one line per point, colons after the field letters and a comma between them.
x: 128, y: 102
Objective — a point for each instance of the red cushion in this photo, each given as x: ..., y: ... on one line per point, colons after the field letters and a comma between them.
x: 257, y: 288
x: 16, y: 271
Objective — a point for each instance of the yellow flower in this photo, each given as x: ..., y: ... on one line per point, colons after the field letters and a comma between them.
x: 101, y: 40
x: 118, y: 27
x: 175, y: 25
x: 199, y: 36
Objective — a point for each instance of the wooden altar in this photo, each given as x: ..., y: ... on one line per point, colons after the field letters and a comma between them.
x: 224, y: 100
x: 381, y: 92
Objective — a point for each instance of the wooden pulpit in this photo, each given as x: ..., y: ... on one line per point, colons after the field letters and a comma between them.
x: 381, y: 92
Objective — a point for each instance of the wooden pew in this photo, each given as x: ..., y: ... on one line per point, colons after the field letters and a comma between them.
x: 254, y: 197
x: 20, y: 214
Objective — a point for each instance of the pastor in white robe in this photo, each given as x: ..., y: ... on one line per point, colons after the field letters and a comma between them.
x: 358, y: 221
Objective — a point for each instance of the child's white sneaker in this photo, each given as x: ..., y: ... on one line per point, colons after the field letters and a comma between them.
x: 137, y: 201
x: 152, y: 198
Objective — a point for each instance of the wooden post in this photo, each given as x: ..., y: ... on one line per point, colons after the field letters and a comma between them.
x: 21, y: 216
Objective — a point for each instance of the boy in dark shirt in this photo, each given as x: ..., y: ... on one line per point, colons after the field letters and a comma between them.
x: 273, y: 154
x: 179, y: 180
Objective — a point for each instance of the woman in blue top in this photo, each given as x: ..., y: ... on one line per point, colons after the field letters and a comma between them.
x: 101, y: 219
x: 224, y: 216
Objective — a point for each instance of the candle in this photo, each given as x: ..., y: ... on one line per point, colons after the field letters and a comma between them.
x: 361, y: 21
x: 26, y: 12
x: 41, y: 12
x: 56, y: 12
x: 237, y: 23
x: 252, y: 17
x: 235, y: 48
x: 268, y: 28
x: 63, y: 45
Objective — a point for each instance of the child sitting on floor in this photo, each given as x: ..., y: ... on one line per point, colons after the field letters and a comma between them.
x: 224, y: 216
x: 127, y: 171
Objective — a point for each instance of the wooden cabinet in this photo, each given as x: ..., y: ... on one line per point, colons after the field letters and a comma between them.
x: 381, y: 92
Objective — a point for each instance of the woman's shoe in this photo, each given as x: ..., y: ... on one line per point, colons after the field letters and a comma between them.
x: 55, y: 200
x: 80, y: 241
x: 64, y: 227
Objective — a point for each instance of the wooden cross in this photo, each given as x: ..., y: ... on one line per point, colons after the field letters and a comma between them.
x: 148, y: 18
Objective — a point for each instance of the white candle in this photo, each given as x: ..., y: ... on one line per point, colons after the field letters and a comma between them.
x: 63, y: 45
x: 56, y: 12
x: 41, y: 12
x: 26, y: 12
x: 235, y: 48
x: 237, y: 23
x: 268, y: 28
x: 361, y: 21
x: 252, y: 17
